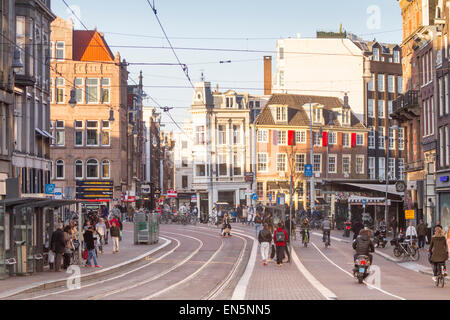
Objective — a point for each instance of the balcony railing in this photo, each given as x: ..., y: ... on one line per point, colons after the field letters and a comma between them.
x: 409, y: 100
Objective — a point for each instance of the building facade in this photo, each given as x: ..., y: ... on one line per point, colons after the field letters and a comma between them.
x: 89, y: 153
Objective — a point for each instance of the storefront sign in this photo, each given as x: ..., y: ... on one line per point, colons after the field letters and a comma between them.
x: 409, y: 214
x: 445, y: 179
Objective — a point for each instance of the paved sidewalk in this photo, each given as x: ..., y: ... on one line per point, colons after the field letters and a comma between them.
x: 128, y: 254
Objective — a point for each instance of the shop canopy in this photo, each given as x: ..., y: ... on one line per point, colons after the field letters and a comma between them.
x: 377, y: 187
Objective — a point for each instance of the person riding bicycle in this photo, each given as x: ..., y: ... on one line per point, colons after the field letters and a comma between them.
x: 363, y: 245
x: 305, y: 226
x: 439, y: 252
x: 326, y: 228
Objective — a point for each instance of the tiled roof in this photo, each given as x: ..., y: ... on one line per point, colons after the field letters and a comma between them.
x: 297, y: 115
x: 90, y: 46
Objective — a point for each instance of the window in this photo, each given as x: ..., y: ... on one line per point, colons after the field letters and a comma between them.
x: 20, y: 40
x: 200, y: 135
x: 106, y: 141
x: 92, y: 90
x: 332, y: 164
x: 447, y: 147
x: 236, y: 134
x: 78, y: 133
x: 184, y: 144
x: 381, y: 168
x: 370, y: 108
x: 400, y: 84
x: 60, y: 169
x: 359, y: 139
x: 263, y: 136
x: 381, y: 138
x: 332, y: 137
x: 184, y: 162
x: 78, y: 169
x: 60, y: 133
x: 372, y: 175
x: 92, y: 133
x: 401, y: 138
x: 106, y: 166
x: 51, y: 90
x: 391, y: 139
x: 345, y: 140
x: 222, y: 134
x: 401, y: 169
x: 381, y: 106
x: 446, y: 93
x: 282, y: 138
x: 300, y: 137
x: 316, y: 136
x: 281, y: 53
x: 346, y: 164
x: 317, y: 166
x: 381, y: 83
x: 92, y: 169
x: 237, y: 164
x: 79, y: 90
x: 260, y: 189
x: 201, y: 170
x: 371, y: 85
x: 60, y: 50
x: 376, y: 54
x: 229, y: 102
x: 281, y: 83
x: 360, y: 164
x: 281, y: 113
x: 281, y: 162
x: 317, y: 115
x: 262, y: 162
x: 396, y: 56
x: 106, y: 90
x: 441, y: 147
x: 223, y: 165
x: 390, y: 109
x: 390, y: 83
x: 300, y: 160
x: 60, y: 90
x: 184, y: 182
x: 391, y: 169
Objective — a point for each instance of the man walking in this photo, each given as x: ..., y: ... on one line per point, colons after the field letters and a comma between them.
x: 326, y: 228
x: 394, y: 226
x: 421, y: 233
x: 58, y: 246
x: 265, y: 238
x: 101, y: 231
x: 251, y: 212
x: 279, y: 237
x: 115, y: 234
x: 90, y: 247
x: 258, y: 224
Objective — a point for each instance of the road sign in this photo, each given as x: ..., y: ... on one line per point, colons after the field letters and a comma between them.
x: 410, y: 214
x: 254, y: 197
x: 194, y: 198
x: 364, y: 202
x: 308, y: 170
x: 172, y: 194
x: 270, y: 197
x: 49, y: 188
x: 58, y: 193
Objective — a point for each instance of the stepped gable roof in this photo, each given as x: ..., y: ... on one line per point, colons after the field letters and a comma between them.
x: 90, y: 46
x: 297, y: 116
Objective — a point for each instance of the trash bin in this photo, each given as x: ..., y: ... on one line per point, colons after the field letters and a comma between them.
x: 141, y: 228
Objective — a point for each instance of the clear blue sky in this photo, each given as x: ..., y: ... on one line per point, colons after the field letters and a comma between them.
x: 220, y: 19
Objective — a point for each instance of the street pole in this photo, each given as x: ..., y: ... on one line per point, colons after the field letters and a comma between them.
x: 292, y: 201
x: 80, y: 233
x: 312, y: 156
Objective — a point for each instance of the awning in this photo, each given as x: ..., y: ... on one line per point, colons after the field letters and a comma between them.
x: 369, y: 200
x: 40, y: 132
x: 377, y: 187
x: 48, y: 135
x: 274, y: 185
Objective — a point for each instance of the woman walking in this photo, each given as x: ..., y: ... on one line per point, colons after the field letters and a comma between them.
x: 439, y: 251
x: 280, y: 237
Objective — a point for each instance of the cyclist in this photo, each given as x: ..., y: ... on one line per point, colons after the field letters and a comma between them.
x: 439, y: 252
x: 326, y: 228
x: 305, y: 226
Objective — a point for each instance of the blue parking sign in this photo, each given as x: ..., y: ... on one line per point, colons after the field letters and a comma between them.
x: 308, y: 170
x: 254, y: 196
x: 49, y: 188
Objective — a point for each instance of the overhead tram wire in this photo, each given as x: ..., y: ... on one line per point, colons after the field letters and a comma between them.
x: 183, y: 67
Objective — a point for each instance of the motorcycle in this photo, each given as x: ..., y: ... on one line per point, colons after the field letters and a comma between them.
x: 380, y: 237
x: 362, y: 268
x: 347, y: 228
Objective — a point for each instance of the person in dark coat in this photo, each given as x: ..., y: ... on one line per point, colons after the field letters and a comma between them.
x: 58, y: 246
x: 286, y: 228
x: 363, y: 245
x: 439, y: 251
x: 265, y: 238
x: 280, y: 244
x: 421, y: 233
x: 90, y: 246
x: 356, y: 228
x: 394, y: 227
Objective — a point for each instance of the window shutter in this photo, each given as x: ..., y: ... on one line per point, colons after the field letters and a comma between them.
x: 291, y: 135
x: 353, y: 140
x: 325, y: 139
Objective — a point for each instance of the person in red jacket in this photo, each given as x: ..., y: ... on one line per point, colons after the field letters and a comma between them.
x: 280, y: 237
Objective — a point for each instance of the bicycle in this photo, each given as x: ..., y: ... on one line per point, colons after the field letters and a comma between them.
x: 305, y: 237
x: 441, y: 275
x: 407, y: 248
x: 326, y: 238
x: 193, y: 220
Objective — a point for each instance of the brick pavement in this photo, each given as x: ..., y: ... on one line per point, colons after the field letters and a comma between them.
x: 128, y: 251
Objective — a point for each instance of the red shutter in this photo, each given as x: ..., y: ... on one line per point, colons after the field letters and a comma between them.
x: 325, y: 139
x: 291, y: 135
x: 353, y: 140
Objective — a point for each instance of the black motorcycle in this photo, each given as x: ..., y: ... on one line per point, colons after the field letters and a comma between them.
x: 362, y: 268
x: 380, y: 238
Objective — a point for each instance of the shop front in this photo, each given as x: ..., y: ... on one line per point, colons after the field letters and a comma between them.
x: 443, y: 194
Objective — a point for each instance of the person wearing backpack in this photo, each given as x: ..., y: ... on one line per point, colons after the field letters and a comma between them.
x: 280, y: 237
x: 258, y: 223
x: 265, y: 238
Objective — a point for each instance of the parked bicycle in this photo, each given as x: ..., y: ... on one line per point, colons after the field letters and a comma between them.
x: 441, y: 275
x: 406, y: 248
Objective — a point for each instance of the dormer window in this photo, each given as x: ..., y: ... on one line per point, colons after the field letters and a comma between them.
x: 396, y: 56
x: 281, y: 113
x: 317, y: 115
x: 346, y: 117
x: 376, y: 54
x: 229, y: 102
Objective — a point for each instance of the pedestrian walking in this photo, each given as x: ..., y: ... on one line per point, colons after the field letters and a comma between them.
x: 279, y: 237
x: 251, y: 212
x: 58, y: 246
x: 244, y: 214
x: 115, y: 234
x: 258, y: 224
x: 90, y: 247
x: 357, y: 226
x: 394, y: 227
x: 68, y: 247
x: 130, y: 213
x: 265, y: 238
x: 286, y: 247
x: 439, y: 251
x: 226, y: 226
x: 421, y: 233
x: 101, y: 231
x: 411, y: 232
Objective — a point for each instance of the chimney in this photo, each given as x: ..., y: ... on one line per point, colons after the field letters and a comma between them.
x: 267, y: 75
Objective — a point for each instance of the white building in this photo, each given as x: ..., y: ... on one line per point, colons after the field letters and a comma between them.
x: 218, y: 146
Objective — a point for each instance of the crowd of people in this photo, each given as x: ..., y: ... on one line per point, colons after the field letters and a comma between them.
x: 99, y: 227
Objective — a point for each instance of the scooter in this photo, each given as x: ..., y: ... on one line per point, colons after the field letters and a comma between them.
x: 347, y: 228
x: 362, y: 268
x: 380, y: 237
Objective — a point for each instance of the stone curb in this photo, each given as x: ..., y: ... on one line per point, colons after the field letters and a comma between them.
x: 58, y: 283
